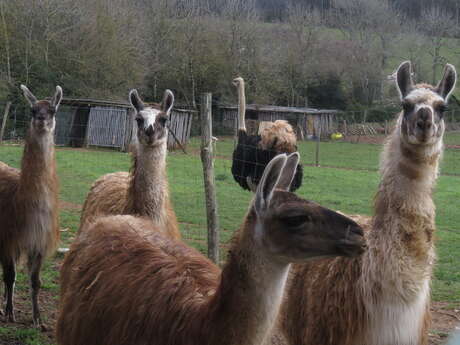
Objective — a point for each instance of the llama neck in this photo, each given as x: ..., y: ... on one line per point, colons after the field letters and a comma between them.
x: 241, y: 107
x: 404, y: 219
x: 38, y: 169
x: 149, y: 187
x: 246, y: 304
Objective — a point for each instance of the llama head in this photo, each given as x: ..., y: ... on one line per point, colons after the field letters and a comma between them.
x: 152, y: 119
x: 423, y: 105
x: 294, y: 229
x: 43, y: 112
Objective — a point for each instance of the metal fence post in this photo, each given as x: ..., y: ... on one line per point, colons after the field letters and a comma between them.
x: 208, y: 174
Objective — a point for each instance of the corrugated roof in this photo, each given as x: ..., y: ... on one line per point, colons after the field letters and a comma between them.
x: 280, y: 109
x: 104, y: 103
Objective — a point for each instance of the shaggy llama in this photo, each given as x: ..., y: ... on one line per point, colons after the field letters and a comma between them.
x: 144, y: 191
x: 383, y: 297
x: 123, y: 283
x: 29, y: 224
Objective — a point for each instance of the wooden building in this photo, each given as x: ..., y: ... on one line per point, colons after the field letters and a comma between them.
x: 87, y: 122
x: 308, y: 122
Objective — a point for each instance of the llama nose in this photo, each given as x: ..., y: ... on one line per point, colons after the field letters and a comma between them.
x: 149, y: 131
x: 424, y: 124
x: 424, y: 119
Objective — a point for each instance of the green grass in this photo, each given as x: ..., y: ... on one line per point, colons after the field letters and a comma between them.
x: 344, y: 189
x: 452, y: 138
x: 29, y: 336
x: 347, y: 155
x: 347, y: 190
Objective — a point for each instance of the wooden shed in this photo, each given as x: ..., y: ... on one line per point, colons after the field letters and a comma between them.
x: 88, y: 122
x: 308, y: 122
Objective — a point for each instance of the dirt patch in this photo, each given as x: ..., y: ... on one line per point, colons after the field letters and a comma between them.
x: 445, y: 316
x: 445, y: 320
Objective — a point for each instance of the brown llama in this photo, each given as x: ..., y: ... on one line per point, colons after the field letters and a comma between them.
x: 123, y: 283
x: 29, y: 224
x: 382, y: 297
x: 144, y: 191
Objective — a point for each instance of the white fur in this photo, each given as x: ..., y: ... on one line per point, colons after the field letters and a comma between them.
x: 395, y: 322
x: 423, y: 95
x: 150, y: 116
x: 270, y: 280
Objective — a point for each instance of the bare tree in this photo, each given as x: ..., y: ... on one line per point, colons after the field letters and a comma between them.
x: 438, y: 26
x: 6, y: 40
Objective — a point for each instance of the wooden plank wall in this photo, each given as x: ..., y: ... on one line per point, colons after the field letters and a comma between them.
x: 65, y: 118
x: 180, y: 123
x: 107, y: 127
x: 324, y: 121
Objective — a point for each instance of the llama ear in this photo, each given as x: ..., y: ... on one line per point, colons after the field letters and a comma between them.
x: 404, y: 79
x: 135, y: 100
x: 289, y: 171
x: 57, y: 98
x: 29, y: 95
x: 447, y: 83
x: 168, y: 101
x: 268, y: 182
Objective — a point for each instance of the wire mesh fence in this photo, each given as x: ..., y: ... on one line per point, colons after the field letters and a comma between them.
x: 346, y: 180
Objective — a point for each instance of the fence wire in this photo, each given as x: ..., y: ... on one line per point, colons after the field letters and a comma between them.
x: 346, y: 179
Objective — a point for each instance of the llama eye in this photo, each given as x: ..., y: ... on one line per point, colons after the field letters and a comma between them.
x: 295, y: 221
x: 407, y: 106
x: 140, y: 122
x: 162, y: 120
x: 442, y: 108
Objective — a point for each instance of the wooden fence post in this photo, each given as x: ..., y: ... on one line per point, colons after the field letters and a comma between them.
x: 5, y: 117
x: 208, y: 174
x: 317, y: 147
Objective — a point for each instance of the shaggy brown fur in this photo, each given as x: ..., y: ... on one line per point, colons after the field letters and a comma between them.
x: 29, y: 224
x: 280, y: 136
x: 125, y: 282
x: 144, y: 191
x: 381, y: 298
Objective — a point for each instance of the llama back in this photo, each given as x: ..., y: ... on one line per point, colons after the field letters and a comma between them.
x: 9, y: 182
x: 107, y: 196
x: 131, y: 257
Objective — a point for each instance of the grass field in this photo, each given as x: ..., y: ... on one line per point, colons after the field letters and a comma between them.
x: 349, y: 187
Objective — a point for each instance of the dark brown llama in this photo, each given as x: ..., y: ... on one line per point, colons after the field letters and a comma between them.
x: 382, y: 297
x: 144, y: 191
x: 28, y: 203
x: 123, y: 283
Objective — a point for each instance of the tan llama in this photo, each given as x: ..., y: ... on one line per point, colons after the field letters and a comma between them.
x: 123, y: 283
x: 383, y: 297
x: 143, y: 191
x: 29, y: 225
